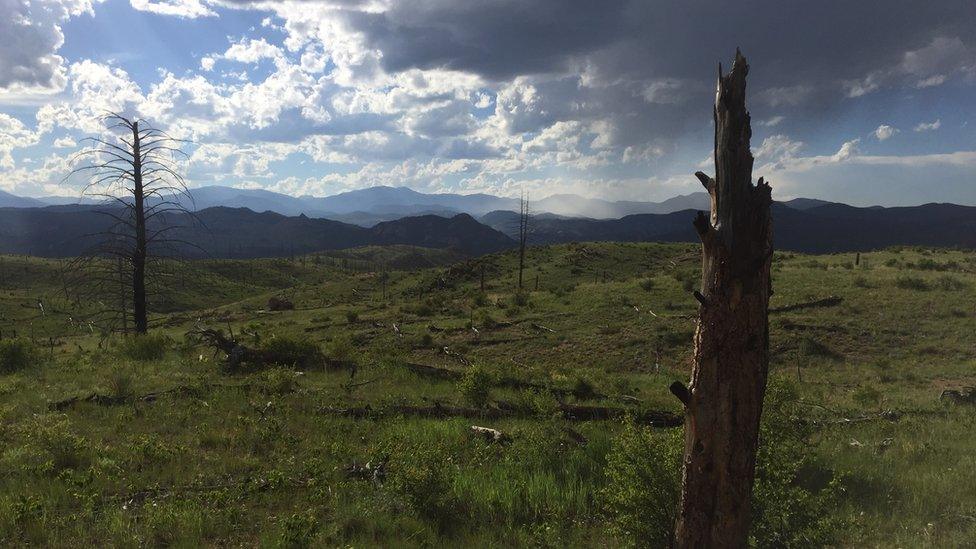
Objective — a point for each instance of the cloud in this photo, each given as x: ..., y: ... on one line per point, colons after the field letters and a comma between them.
x: 927, y: 66
x: 32, y: 36
x: 929, y: 126
x: 775, y: 150
x: 66, y: 142
x: 14, y: 135
x: 252, y: 51
x: 189, y: 9
x: 884, y: 132
x: 847, y: 151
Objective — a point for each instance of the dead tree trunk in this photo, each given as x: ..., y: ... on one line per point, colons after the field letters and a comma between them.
x: 139, y: 254
x: 523, y: 236
x: 731, y: 357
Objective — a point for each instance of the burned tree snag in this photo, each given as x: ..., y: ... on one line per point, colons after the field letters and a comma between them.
x: 731, y: 357
x: 523, y: 236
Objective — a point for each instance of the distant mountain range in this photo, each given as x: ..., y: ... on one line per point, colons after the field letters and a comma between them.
x: 256, y: 223
x: 805, y: 227
x: 65, y: 231
x: 366, y: 207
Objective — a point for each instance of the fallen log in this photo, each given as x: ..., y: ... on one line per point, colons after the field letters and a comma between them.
x: 119, y: 400
x: 965, y: 395
x: 238, y: 355
x: 506, y: 382
x: 504, y: 410
x: 491, y: 435
x: 830, y: 301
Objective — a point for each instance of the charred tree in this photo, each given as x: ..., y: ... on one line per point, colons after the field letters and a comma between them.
x: 523, y: 235
x: 133, y: 171
x: 731, y: 358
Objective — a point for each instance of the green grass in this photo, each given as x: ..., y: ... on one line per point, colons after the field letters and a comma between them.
x: 258, y: 457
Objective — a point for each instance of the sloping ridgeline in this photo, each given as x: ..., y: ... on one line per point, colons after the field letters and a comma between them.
x: 821, y: 229
x: 240, y: 233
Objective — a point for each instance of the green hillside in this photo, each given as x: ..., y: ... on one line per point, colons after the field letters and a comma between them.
x: 372, y: 444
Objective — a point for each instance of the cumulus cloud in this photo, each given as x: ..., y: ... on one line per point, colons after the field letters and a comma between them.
x: 190, y: 9
x: 252, y: 51
x: 488, y: 95
x: 884, y: 132
x: 13, y: 135
x: 929, y: 126
x: 32, y: 36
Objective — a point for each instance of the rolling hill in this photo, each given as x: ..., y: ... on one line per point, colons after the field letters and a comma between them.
x: 241, y: 233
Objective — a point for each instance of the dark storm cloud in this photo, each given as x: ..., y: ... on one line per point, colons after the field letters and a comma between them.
x: 497, y: 39
x: 647, y: 67
x: 794, y: 40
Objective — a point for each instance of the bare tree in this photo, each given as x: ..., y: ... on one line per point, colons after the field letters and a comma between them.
x: 133, y: 170
x: 731, y: 358
x: 523, y: 234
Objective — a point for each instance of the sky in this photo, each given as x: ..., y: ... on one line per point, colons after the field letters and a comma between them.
x: 865, y: 102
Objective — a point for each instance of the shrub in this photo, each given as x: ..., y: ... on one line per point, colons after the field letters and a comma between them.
x: 119, y: 382
x: 352, y: 317
x: 950, y: 283
x: 583, y: 389
x: 293, y: 352
x: 61, y: 446
x: 15, y: 355
x: 647, y: 284
x: 793, y: 495
x: 341, y: 349
x: 520, y: 299
x: 298, y: 530
x: 911, y: 283
x: 144, y: 347
x: 280, y: 381
x: 424, y: 480
x: 475, y: 386
x: 276, y: 303
x: 643, y: 476
x: 794, y: 492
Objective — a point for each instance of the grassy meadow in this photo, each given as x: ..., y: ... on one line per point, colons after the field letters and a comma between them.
x: 118, y: 441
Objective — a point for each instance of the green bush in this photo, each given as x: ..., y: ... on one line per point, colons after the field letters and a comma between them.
x: 293, y: 352
x: 583, y: 388
x: 520, y: 299
x: 279, y: 381
x: 643, y: 477
x: 950, y: 283
x: 793, y: 496
x: 647, y: 284
x: 60, y: 445
x: 298, y: 530
x: 795, y: 493
x: 425, y: 482
x: 119, y: 381
x: 475, y: 386
x: 352, y: 317
x: 15, y: 355
x: 144, y: 347
x: 341, y: 348
x: 911, y: 283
